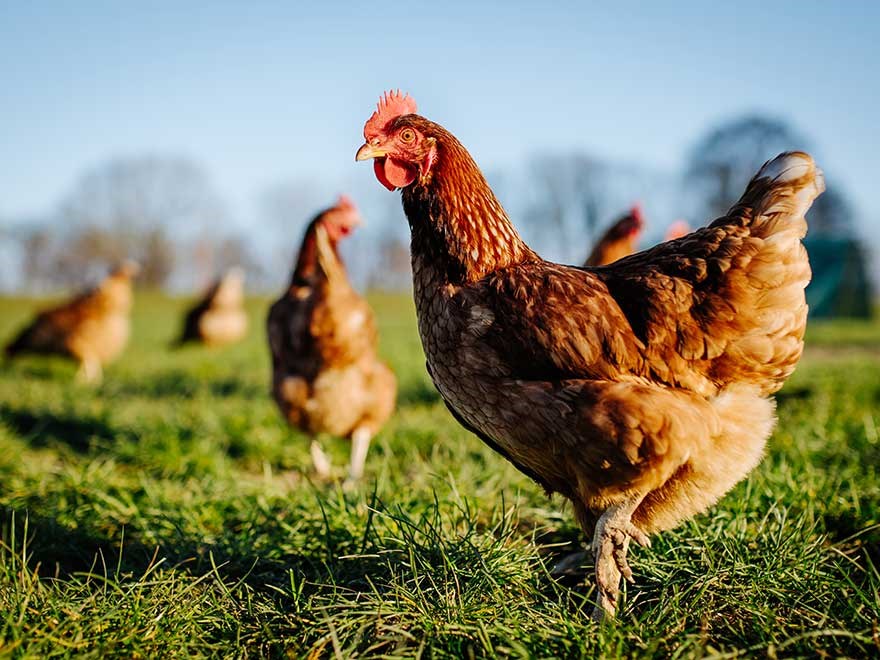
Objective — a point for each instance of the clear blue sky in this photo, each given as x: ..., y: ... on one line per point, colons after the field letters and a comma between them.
x: 261, y: 91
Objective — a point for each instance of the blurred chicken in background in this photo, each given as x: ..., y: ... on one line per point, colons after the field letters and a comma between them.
x: 92, y: 328
x: 218, y: 319
x: 620, y: 240
x: 327, y: 377
x: 677, y: 229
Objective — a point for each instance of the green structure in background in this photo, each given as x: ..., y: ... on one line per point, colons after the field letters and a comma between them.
x: 840, y: 285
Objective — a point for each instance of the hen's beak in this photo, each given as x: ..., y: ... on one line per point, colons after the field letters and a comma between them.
x: 369, y: 151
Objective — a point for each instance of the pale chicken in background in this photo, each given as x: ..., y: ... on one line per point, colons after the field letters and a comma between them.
x: 219, y: 318
x: 326, y: 374
x: 93, y: 328
x: 641, y: 390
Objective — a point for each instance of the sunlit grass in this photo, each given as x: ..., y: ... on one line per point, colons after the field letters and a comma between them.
x: 169, y: 511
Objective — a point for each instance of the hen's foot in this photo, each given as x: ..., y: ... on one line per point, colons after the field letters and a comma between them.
x: 614, y: 530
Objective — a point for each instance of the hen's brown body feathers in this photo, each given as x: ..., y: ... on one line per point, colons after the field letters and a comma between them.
x: 327, y: 377
x: 92, y: 328
x: 644, y: 383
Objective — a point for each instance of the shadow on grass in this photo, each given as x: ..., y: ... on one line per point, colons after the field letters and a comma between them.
x: 793, y: 394
x: 848, y: 529
x: 182, y: 384
x: 329, y: 556
x: 42, y: 368
x: 60, y: 551
x: 42, y: 428
x: 418, y: 393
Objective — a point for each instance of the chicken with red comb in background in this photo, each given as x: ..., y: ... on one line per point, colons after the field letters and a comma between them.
x: 640, y: 390
x: 620, y: 240
x: 327, y: 378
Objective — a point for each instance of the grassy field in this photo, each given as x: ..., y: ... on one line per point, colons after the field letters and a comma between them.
x: 170, y: 512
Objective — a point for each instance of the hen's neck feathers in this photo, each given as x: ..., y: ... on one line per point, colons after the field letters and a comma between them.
x: 456, y: 221
x: 308, y: 271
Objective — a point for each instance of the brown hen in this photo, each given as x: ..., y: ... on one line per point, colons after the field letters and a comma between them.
x: 619, y: 240
x: 326, y: 375
x: 641, y: 390
x: 92, y: 328
x: 218, y: 319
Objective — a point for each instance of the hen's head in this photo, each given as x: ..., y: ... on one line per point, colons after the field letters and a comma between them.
x: 340, y: 220
x: 402, y: 153
x: 630, y: 225
x: 127, y: 269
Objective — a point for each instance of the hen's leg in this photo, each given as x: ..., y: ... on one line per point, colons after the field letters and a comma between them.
x: 360, y: 444
x: 614, y: 530
x: 320, y: 460
x: 89, y: 371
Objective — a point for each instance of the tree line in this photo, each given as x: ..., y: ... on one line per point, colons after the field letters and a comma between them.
x: 165, y: 213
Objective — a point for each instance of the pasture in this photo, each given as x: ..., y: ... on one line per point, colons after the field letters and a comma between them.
x: 169, y: 512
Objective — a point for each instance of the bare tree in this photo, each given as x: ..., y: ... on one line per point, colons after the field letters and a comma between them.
x: 570, y: 197
x: 832, y: 212
x: 143, y: 193
x: 37, y: 248
x: 84, y: 255
x: 131, y: 207
x: 392, y: 270
x: 212, y: 256
x: 157, y: 257
x: 287, y: 207
x: 723, y: 161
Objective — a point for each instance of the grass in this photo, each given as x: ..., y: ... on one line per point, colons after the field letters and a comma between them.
x: 169, y: 512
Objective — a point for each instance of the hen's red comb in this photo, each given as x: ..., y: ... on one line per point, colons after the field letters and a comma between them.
x: 344, y: 202
x: 636, y: 213
x: 391, y: 105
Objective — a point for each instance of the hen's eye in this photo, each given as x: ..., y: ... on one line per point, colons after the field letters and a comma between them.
x: 407, y: 135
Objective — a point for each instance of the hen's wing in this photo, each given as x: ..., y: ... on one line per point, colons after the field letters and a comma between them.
x: 724, y: 304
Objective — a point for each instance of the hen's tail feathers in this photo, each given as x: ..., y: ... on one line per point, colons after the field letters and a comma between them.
x: 773, y: 207
x: 773, y: 277
x: 779, y: 195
